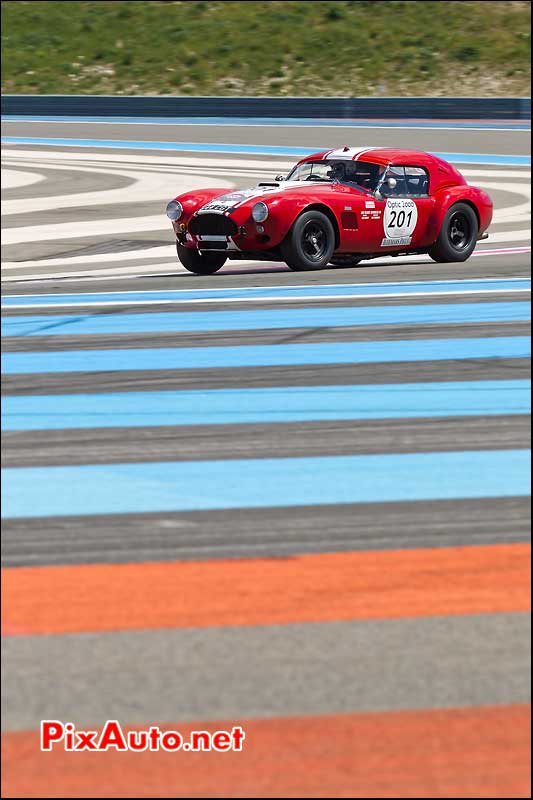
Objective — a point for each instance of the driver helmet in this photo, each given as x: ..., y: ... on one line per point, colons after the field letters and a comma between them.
x: 336, y: 173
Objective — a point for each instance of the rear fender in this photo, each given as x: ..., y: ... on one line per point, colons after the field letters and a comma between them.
x: 478, y: 199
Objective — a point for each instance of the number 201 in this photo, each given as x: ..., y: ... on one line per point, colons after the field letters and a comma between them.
x: 398, y: 219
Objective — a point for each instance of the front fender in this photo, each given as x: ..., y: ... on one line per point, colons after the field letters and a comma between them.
x: 283, y: 212
x: 192, y: 201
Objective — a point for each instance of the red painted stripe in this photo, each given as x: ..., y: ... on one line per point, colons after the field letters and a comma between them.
x: 307, y: 588
x: 471, y: 752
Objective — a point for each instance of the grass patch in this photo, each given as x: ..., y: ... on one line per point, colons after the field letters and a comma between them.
x: 334, y: 47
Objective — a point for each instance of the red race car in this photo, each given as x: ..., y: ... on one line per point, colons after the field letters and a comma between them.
x: 335, y: 207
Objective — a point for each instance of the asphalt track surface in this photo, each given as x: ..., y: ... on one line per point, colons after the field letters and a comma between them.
x: 292, y: 501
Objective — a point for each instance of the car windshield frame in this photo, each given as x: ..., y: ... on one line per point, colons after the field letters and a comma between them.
x: 303, y: 172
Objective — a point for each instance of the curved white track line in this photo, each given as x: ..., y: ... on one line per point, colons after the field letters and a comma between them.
x: 148, y: 186
x: 15, y: 178
x: 517, y: 213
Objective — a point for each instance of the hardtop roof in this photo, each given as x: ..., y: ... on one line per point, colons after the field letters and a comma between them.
x: 377, y: 155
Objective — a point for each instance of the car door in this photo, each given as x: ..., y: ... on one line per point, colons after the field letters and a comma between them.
x: 405, y: 207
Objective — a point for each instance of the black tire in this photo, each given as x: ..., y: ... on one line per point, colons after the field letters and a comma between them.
x: 310, y: 242
x: 200, y: 263
x: 345, y: 261
x: 458, y: 235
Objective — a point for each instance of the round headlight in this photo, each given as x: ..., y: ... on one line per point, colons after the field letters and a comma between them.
x: 260, y: 212
x: 174, y: 210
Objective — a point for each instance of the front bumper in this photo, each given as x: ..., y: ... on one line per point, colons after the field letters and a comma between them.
x: 221, y: 232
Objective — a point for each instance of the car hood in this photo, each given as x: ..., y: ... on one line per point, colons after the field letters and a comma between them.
x: 232, y: 200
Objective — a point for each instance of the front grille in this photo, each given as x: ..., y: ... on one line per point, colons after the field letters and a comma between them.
x: 212, y: 225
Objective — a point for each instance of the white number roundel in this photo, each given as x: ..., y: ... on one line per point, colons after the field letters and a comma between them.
x: 400, y: 217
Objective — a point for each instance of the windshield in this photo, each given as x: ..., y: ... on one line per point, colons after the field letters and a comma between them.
x: 358, y: 174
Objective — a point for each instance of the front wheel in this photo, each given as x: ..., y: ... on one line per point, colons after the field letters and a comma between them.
x: 458, y: 235
x: 310, y: 242
x: 200, y: 263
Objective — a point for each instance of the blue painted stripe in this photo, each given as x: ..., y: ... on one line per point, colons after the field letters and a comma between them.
x: 265, y: 355
x: 275, y: 292
x: 297, y: 122
x: 258, y: 319
x: 485, y: 158
x: 256, y: 483
x: 249, y: 149
x: 280, y: 404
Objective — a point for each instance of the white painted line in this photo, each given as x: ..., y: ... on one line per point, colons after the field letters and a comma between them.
x: 173, y: 267
x: 168, y: 266
x: 14, y: 179
x: 262, y: 124
x: 520, y: 212
x: 207, y: 161
x: 508, y: 236
x: 171, y: 159
x: 430, y: 282
x: 265, y: 299
x: 155, y: 223
x: 146, y: 187
x: 501, y: 251
x: 168, y: 251
x: 495, y: 173
x: 94, y: 227
x: 163, y: 251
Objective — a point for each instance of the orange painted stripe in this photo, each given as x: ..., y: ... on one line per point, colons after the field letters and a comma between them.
x: 471, y: 752
x: 307, y: 588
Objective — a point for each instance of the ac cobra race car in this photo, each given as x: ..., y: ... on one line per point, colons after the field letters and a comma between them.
x: 335, y: 207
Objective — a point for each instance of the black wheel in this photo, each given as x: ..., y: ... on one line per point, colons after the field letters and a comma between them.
x: 200, y: 263
x: 458, y: 235
x: 345, y: 261
x: 310, y: 242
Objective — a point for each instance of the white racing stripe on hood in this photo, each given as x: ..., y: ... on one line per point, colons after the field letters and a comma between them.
x: 241, y: 196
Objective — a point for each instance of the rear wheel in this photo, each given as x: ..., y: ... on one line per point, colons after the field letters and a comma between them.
x: 458, y: 235
x: 310, y: 242
x: 200, y: 263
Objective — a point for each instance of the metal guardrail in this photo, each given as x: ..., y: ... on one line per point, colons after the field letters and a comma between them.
x: 297, y: 107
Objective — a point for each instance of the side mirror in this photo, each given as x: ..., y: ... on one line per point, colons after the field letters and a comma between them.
x: 390, y: 183
x: 280, y: 177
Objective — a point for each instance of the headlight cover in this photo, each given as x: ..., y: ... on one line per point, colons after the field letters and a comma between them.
x: 174, y: 210
x: 260, y: 212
